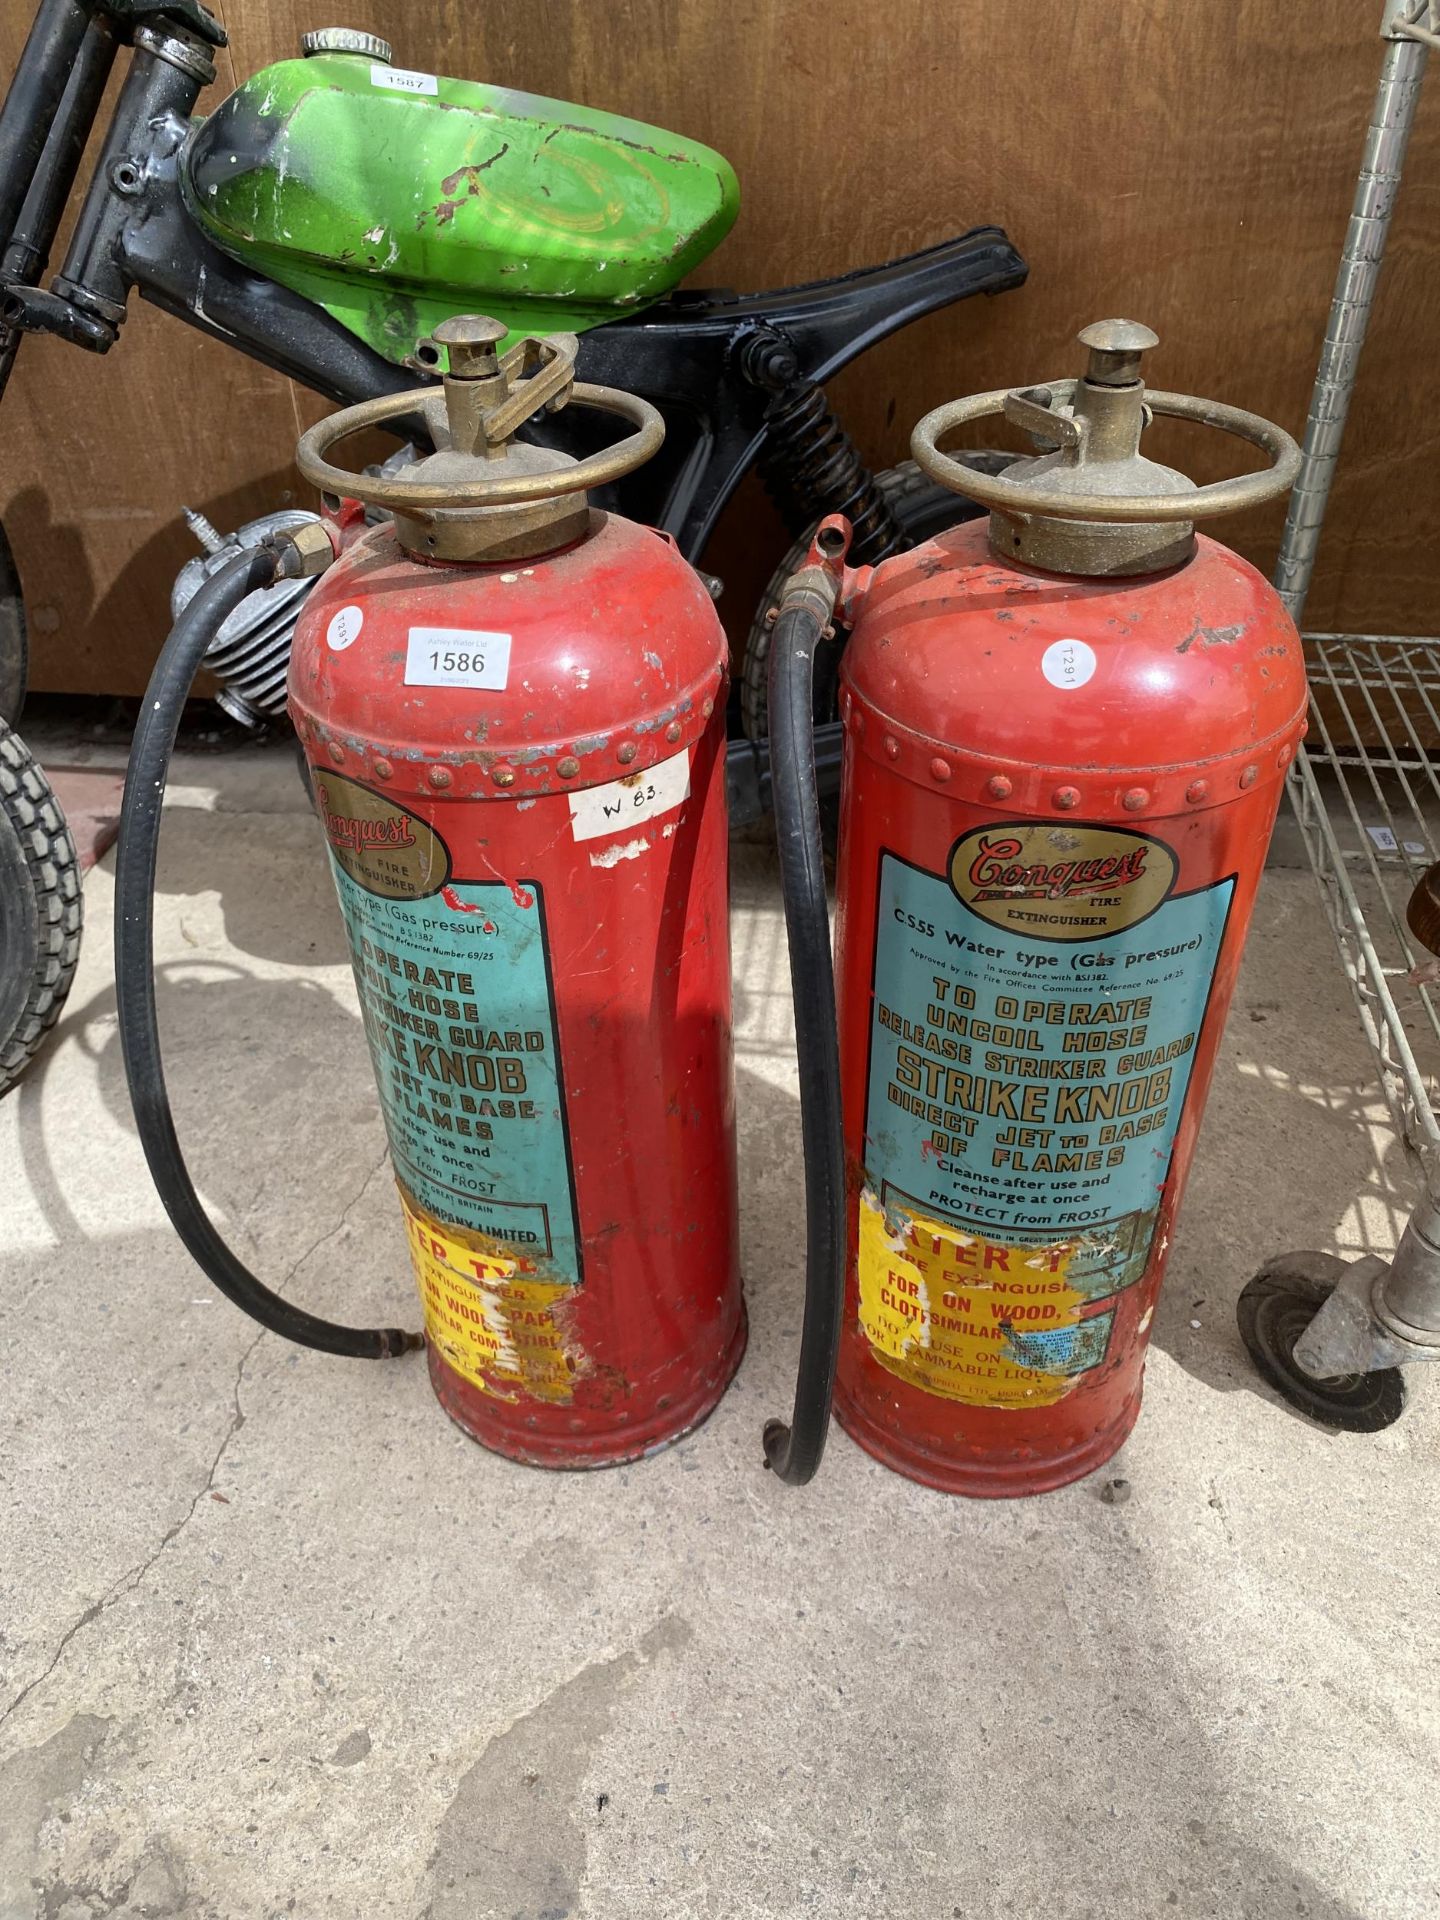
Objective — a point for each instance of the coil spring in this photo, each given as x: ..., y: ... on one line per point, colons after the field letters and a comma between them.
x: 811, y: 467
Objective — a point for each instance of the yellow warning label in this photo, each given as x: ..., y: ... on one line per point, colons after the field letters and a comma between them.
x: 970, y: 1319
x: 497, y: 1324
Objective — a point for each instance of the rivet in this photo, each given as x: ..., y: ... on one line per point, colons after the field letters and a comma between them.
x: 707, y: 708
x: 672, y: 732
x: 336, y: 752
x: 503, y: 776
x: 858, y: 715
x: 383, y: 769
x: 1283, y: 758
x: 1196, y: 791
x: 441, y: 776
x: 998, y: 787
x: 1066, y: 797
x: 1249, y: 776
x: 892, y: 747
x: 939, y: 769
x: 1136, y: 798
x: 626, y: 752
x: 568, y: 767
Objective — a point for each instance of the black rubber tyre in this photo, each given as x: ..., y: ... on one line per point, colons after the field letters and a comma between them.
x: 14, y: 637
x: 924, y: 508
x: 40, y: 907
x: 302, y: 767
x: 1272, y: 1313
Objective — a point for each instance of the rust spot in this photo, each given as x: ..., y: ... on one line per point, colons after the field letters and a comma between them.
x: 458, y: 187
x: 611, y: 1383
x: 1210, y: 637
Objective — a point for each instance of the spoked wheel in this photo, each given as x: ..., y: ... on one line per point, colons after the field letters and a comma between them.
x: 40, y: 907
x: 1274, y: 1310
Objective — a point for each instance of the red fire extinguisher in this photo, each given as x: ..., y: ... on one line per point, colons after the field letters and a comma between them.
x: 1065, y: 741
x: 512, y: 707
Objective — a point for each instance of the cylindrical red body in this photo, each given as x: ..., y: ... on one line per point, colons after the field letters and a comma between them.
x: 521, y: 772
x: 1057, y: 798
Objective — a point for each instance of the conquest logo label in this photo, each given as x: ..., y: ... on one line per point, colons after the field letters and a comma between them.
x: 383, y: 847
x: 347, y: 830
x: 1058, y: 882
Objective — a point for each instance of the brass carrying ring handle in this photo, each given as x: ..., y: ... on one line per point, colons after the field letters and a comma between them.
x: 419, y: 498
x: 1014, y: 496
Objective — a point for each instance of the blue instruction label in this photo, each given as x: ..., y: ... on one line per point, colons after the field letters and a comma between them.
x: 456, y: 995
x: 1036, y: 1013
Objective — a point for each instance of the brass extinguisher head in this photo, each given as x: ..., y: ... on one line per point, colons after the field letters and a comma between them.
x: 483, y: 494
x: 1092, y: 503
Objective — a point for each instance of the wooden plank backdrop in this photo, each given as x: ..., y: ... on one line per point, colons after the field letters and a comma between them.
x: 1188, y: 163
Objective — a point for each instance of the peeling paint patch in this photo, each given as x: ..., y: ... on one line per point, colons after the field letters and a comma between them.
x: 493, y: 1315
x: 971, y: 1319
x: 458, y: 904
x: 1210, y: 637
x: 611, y: 856
x: 458, y: 187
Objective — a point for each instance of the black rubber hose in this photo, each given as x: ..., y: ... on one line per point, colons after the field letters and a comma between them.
x: 154, y: 742
x: 794, y: 1452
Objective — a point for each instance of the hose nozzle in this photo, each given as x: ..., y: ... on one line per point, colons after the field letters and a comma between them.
x: 305, y: 551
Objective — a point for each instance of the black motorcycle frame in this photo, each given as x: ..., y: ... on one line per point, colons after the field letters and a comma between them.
x: 738, y: 377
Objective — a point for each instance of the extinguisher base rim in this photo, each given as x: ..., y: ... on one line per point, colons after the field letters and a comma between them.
x: 990, y: 1480
x: 562, y: 1451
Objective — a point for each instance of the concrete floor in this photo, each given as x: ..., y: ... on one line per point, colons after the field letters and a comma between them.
x: 276, y: 1639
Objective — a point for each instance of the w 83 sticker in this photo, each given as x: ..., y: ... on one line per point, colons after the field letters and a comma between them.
x: 619, y: 804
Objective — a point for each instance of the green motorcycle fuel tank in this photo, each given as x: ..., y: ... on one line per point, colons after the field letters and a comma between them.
x: 395, y: 199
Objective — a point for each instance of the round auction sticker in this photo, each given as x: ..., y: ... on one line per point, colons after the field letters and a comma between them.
x: 344, y: 629
x: 1067, y: 663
